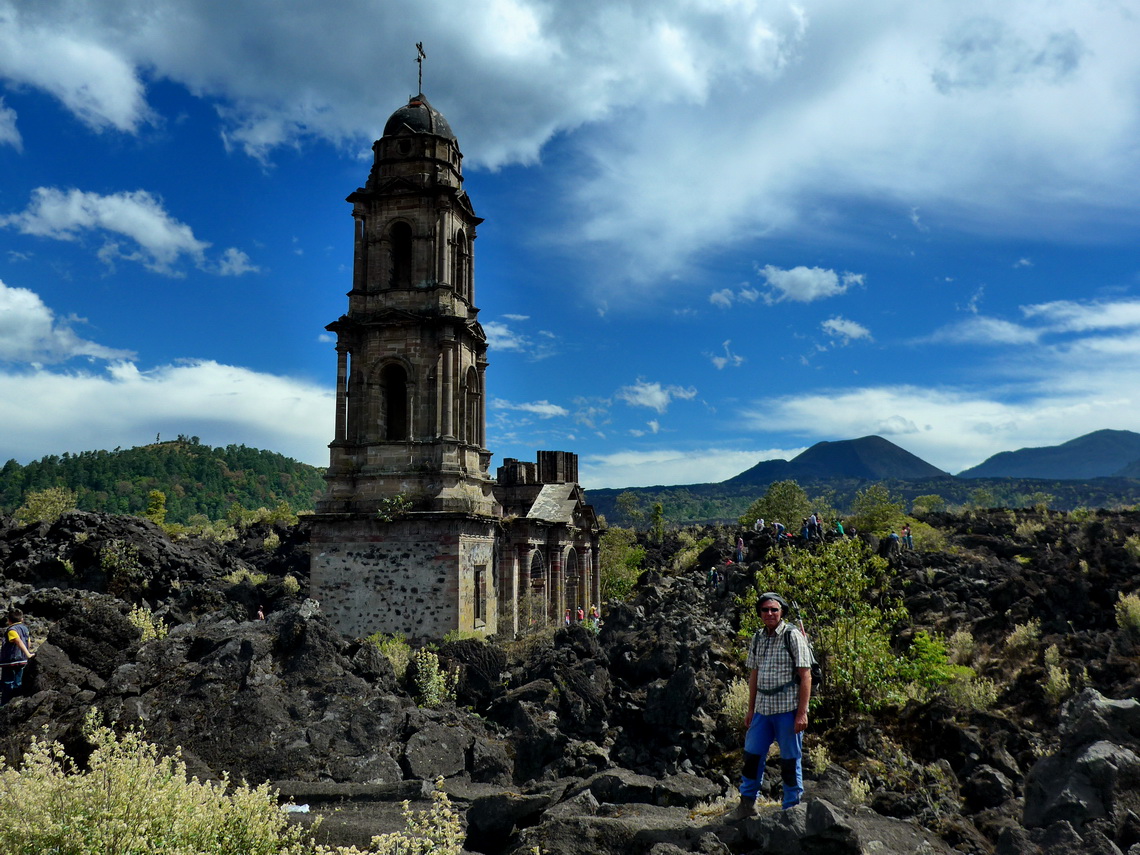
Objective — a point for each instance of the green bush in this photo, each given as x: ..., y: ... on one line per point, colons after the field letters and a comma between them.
x: 46, y: 505
x: 290, y: 585
x: 1128, y: 614
x: 735, y: 704
x: 844, y: 592
x: 148, y: 627
x: 1057, y: 681
x: 1022, y: 640
x: 131, y: 799
x: 784, y: 501
x: 619, y: 562
x: 876, y: 511
x: 928, y: 664
x: 434, y: 685
x: 242, y: 575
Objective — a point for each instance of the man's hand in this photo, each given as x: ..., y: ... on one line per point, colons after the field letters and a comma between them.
x: 801, y: 722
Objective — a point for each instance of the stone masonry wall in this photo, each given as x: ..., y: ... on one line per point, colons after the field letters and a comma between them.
x: 414, y: 575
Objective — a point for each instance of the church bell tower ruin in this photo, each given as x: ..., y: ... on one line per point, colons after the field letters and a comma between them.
x: 411, y: 535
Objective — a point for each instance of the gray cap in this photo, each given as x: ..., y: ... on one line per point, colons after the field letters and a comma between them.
x: 772, y: 595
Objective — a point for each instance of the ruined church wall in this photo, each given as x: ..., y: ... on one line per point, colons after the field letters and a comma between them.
x: 415, y: 576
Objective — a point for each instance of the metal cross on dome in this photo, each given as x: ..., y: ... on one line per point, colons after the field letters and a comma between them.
x: 420, y: 57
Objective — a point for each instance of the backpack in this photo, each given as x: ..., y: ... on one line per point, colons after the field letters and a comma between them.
x: 816, y: 668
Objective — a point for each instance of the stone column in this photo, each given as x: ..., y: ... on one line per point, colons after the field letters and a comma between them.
x: 447, y: 393
x: 341, y: 392
x: 360, y: 254
x: 558, y: 591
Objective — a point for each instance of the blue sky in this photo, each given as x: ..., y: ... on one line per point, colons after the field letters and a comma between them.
x: 716, y: 232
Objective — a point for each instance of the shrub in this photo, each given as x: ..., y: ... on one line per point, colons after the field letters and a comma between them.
x: 242, y: 575
x: 850, y: 610
x: 784, y: 501
x: 972, y: 693
x: 132, y: 799
x: 1023, y: 638
x: 435, y: 831
x: 928, y: 665
x: 960, y: 647
x: 1057, y: 681
x: 818, y: 757
x: 929, y: 504
x: 735, y: 704
x: 272, y: 542
x: 619, y: 562
x: 156, y: 507
x: 1028, y: 529
x: 290, y: 585
x: 148, y: 627
x: 395, y: 648
x: 1128, y: 614
x: 876, y: 510
x: 434, y: 686
x: 860, y: 791
x: 1132, y: 546
x: 46, y: 505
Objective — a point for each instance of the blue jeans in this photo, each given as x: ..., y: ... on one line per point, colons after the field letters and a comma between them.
x: 764, y: 730
x: 11, y: 676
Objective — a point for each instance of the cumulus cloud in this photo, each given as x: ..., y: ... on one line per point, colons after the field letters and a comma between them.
x: 845, y: 330
x: 654, y: 395
x: 807, y: 284
x: 31, y: 333
x: 543, y: 409
x: 123, y: 406
x: 234, y: 262
x: 158, y: 241
x: 722, y: 298
x: 89, y: 73
x: 936, y: 102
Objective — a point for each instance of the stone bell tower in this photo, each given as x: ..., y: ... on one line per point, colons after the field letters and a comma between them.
x: 404, y: 538
x: 412, y: 358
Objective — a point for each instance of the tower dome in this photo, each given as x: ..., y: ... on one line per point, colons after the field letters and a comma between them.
x: 418, y: 117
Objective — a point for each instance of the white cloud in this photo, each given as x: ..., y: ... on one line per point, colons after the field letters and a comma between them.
x: 806, y: 284
x: 502, y: 337
x: 543, y: 409
x: 9, y: 133
x: 844, y: 329
x: 729, y: 357
x: 629, y: 468
x: 1014, y: 118
x: 722, y: 298
x: 517, y: 317
x: 30, y: 333
x: 159, y: 240
x: 59, y: 50
x: 1071, y: 316
x: 123, y: 406
x: 234, y: 262
x: 654, y: 395
x: 983, y: 330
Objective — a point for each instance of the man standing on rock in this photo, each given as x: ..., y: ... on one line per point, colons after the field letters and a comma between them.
x: 780, y: 665
x: 14, y: 655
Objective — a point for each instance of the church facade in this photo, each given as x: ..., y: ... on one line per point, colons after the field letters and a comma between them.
x: 413, y: 535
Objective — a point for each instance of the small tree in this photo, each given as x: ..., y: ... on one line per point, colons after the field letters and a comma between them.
x: 657, y: 522
x: 928, y: 504
x: 875, y: 510
x: 629, y: 507
x: 46, y: 505
x: 784, y: 501
x: 156, y: 507
x: 619, y: 562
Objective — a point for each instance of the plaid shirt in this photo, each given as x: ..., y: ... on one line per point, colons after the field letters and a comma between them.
x: 768, y: 656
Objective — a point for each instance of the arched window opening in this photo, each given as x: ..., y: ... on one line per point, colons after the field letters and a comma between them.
x: 401, y: 237
x: 394, y: 402
x: 532, y: 609
x: 461, y: 266
x: 574, y: 594
x: 472, y: 396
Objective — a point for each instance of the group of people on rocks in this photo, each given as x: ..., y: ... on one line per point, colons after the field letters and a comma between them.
x: 580, y: 616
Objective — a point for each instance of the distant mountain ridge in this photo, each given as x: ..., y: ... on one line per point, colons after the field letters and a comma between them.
x: 1100, y: 454
x: 870, y: 458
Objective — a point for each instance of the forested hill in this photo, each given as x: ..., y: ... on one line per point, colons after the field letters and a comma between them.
x: 196, y: 479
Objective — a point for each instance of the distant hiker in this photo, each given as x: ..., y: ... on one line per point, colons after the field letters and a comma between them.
x: 14, y: 655
x: 839, y: 528
x: 758, y: 526
x: 739, y: 549
x: 581, y: 614
x: 261, y: 612
x: 781, y: 675
x: 710, y: 579
x: 594, y: 614
x: 896, y: 544
x: 566, y: 618
x: 907, y: 539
